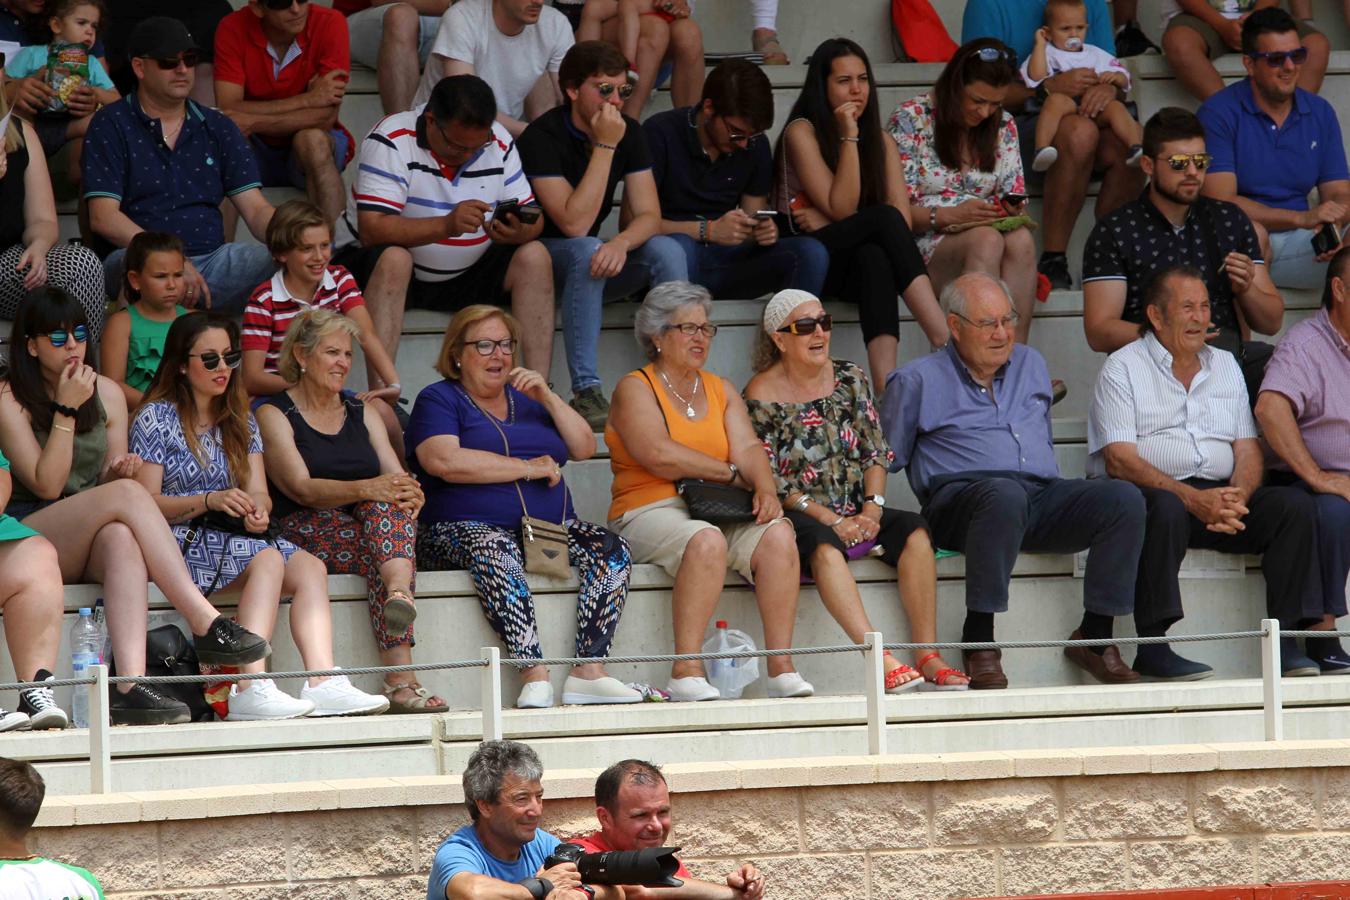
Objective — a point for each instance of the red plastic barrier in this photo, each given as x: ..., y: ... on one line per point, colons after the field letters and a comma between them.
x: 1304, y: 890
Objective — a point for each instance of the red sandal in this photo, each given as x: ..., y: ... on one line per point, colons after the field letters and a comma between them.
x: 941, y: 680
x: 895, y: 686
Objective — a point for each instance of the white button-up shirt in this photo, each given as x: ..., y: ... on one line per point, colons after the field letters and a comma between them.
x: 1184, y: 434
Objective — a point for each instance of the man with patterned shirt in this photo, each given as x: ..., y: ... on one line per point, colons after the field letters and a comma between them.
x: 24, y: 876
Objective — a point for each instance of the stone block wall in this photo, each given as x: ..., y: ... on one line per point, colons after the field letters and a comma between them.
x: 885, y: 828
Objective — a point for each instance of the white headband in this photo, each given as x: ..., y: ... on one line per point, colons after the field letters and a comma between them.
x: 782, y: 303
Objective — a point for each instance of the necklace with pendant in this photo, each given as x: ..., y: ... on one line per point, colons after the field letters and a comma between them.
x: 688, y: 404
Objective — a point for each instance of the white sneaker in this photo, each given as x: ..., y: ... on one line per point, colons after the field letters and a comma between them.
x: 261, y: 700
x: 535, y: 695
x: 1044, y: 159
x: 14, y: 721
x: 691, y: 688
x: 598, y: 690
x: 337, y: 696
x: 789, y: 684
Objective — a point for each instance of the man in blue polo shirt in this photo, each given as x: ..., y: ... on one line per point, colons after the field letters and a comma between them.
x: 1272, y: 143
x: 157, y: 161
x: 713, y: 171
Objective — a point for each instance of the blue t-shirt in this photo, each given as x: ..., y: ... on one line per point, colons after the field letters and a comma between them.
x: 1014, y: 22
x: 445, y: 408
x: 32, y: 60
x: 176, y: 190
x: 1274, y: 166
x: 14, y: 34
x: 464, y: 852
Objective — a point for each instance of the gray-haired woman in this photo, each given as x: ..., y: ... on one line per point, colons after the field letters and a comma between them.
x: 670, y: 420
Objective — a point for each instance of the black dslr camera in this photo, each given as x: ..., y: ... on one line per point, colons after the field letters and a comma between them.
x: 653, y: 867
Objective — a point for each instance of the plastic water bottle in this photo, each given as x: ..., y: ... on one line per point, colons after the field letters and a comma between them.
x: 86, y: 648
x: 730, y: 676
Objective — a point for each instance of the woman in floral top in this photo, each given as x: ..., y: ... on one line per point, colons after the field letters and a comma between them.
x: 819, y: 426
x: 960, y: 155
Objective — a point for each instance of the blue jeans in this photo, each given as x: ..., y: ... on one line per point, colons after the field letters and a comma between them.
x: 749, y: 270
x: 581, y: 296
x: 232, y: 271
x: 1292, y: 263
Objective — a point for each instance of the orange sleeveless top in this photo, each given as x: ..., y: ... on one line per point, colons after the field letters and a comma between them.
x: 633, y: 486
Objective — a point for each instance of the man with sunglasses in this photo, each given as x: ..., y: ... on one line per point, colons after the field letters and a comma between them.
x: 714, y: 170
x: 1171, y: 224
x: 157, y: 161
x: 281, y: 72
x: 1273, y: 143
x: 575, y: 156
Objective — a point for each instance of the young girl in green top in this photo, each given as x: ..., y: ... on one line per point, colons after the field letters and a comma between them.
x: 133, y: 339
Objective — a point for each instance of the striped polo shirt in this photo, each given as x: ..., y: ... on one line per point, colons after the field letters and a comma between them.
x: 398, y: 175
x: 272, y: 307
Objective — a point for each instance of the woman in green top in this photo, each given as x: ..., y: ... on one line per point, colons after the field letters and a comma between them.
x: 64, y: 428
x: 133, y: 339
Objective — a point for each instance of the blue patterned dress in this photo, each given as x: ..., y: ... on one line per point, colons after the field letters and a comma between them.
x: 157, y: 437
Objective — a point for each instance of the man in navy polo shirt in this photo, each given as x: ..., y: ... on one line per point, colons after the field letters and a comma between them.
x: 713, y: 171
x: 157, y: 161
x: 1272, y: 143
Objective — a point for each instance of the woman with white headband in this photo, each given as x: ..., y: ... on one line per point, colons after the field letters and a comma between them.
x: 816, y: 418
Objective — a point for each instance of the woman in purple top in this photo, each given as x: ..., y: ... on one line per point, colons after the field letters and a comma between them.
x: 457, y: 442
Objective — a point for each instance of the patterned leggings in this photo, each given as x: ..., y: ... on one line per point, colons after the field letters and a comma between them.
x: 493, y: 557
x: 69, y: 266
x: 358, y: 543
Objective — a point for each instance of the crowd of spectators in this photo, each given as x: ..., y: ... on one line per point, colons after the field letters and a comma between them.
x: 212, y: 459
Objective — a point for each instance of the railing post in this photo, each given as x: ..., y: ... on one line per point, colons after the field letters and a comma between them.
x: 875, y: 689
x: 492, y: 694
x: 1272, y: 698
x: 100, y: 737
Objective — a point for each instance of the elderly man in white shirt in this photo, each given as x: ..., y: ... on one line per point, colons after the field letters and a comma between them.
x: 1170, y: 414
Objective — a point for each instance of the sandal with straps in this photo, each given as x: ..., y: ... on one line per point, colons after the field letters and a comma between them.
x: 771, y: 52
x: 895, y: 686
x: 421, y: 704
x: 942, y: 678
x: 399, y: 612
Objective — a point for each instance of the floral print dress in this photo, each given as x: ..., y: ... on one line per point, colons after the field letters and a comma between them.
x: 931, y: 183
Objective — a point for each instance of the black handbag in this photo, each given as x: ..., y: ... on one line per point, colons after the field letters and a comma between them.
x: 709, y: 501
x: 216, y: 520
x: 169, y: 652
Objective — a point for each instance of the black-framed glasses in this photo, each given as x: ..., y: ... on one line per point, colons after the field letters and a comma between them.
x: 485, y: 347
x: 282, y: 4
x: 1178, y: 162
x: 187, y: 58
x: 689, y: 329
x: 211, y: 359
x: 994, y: 54
x: 1275, y: 58
x: 79, y: 334
x: 987, y: 326
x: 606, y: 89
x: 825, y: 321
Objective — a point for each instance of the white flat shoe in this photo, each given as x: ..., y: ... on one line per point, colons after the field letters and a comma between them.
x: 691, y: 688
x: 789, y: 684
x: 535, y: 695
x: 598, y: 690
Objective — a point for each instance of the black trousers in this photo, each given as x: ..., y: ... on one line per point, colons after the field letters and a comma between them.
x: 1281, y: 525
x: 872, y: 259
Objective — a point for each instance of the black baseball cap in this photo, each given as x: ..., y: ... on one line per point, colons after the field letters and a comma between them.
x: 160, y: 37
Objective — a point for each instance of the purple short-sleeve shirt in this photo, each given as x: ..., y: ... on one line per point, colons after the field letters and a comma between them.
x: 1310, y: 368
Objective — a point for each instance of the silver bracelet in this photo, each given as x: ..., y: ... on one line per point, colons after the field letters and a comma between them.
x: 801, y: 503
x: 836, y: 522
x: 932, y: 219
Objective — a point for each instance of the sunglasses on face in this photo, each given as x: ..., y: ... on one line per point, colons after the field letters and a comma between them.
x: 1275, y: 58
x: 1179, y: 161
x: 79, y: 334
x: 808, y: 326
x: 282, y: 4
x: 485, y: 348
x: 211, y: 359
x: 690, y: 329
x: 735, y: 135
x: 187, y: 58
x: 605, y: 89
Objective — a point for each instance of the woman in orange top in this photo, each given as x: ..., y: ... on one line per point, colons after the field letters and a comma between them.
x: 670, y: 420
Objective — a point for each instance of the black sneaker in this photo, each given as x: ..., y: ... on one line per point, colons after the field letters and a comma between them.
x: 143, y: 705
x: 227, y: 643
x: 1056, y: 270
x: 39, y: 704
x: 1131, y: 41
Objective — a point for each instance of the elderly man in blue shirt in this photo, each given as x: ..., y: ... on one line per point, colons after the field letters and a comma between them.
x: 970, y: 424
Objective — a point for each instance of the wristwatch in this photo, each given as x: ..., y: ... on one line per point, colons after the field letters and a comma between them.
x: 1042, y: 92
x: 876, y: 500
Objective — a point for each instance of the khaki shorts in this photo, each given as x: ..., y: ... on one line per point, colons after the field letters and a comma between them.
x: 1214, y: 44
x: 658, y: 533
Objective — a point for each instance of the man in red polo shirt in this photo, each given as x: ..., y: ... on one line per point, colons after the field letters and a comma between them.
x: 632, y: 803
x: 281, y: 72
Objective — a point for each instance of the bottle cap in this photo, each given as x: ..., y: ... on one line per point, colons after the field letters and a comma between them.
x: 721, y: 623
x: 86, y: 611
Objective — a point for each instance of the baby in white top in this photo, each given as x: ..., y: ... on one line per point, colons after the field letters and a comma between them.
x: 1060, y: 48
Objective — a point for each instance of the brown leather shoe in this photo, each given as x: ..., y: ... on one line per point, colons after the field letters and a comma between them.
x: 985, y: 668
x: 1108, y: 667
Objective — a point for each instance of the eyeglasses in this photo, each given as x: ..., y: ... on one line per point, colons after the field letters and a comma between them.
x: 1179, y: 161
x: 994, y: 54
x: 987, y: 326
x: 808, y: 326
x: 485, y: 348
x: 187, y: 58
x: 736, y: 136
x: 79, y: 334
x: 454, y: 148
x: 689, y: 329
x: 211, y: 359
x: 282, y: 4
x: 1275, y: 58
x: 605, y: 89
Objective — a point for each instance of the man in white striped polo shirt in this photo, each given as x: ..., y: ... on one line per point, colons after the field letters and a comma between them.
x: 1171, y: 415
